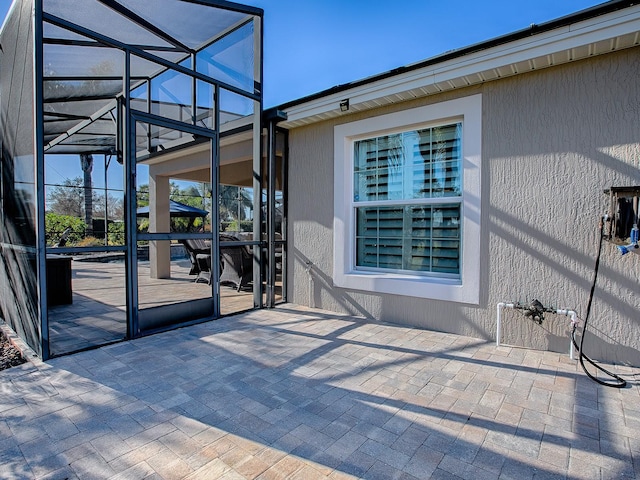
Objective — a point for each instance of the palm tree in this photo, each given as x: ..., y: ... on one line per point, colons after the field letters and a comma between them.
x: 86, y: 161
x: 234, y: 203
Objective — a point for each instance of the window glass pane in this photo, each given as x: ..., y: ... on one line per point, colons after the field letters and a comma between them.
x: 365, y: 168
x: 420, y: 164
x: 379, y: 165
x: 419, y: 238
x: 445, y: 161
x: 415, y: 164
x: 435, y: 235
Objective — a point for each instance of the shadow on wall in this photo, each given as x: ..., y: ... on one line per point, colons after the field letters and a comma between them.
x: 552, y: 333
x: 538, y: 239
x: 595, y: 342
x: 318, y: 281
x: 545, y: 174
x: 522, y: 259
x: 394, y: 308
x: 575, y: 270
x: 564, y: 272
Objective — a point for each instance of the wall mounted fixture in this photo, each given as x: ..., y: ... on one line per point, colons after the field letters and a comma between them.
x: 344, y: 105
x: 624, y: 214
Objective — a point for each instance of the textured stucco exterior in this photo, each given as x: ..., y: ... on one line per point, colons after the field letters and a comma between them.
x: 552, y: 141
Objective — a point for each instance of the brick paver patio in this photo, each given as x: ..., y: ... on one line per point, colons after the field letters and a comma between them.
x: 303, y: 394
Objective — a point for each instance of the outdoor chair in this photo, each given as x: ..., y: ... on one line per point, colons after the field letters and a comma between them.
x: 236, y: 262
x: 199, y: 252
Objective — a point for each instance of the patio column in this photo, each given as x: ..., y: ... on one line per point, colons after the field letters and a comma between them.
x: 159, y: 250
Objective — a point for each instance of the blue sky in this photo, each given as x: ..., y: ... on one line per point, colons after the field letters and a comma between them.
x: 312, y: 45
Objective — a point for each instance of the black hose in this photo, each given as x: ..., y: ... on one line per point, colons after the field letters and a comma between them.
x: 617, y: 381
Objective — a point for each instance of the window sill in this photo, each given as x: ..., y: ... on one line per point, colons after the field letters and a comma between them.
x: 451, y: 290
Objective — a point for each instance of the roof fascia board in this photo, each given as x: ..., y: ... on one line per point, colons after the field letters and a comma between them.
x: 564, y: 38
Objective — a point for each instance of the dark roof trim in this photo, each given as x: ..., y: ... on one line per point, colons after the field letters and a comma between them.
x: 534, y: 29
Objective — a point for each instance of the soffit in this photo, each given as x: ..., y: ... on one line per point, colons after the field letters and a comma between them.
x: 569, y: 43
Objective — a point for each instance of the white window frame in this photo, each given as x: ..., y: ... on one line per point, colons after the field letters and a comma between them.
x: 465, y: 289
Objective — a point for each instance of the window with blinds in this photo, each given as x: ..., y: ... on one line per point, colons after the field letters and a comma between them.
x: 407, y: 201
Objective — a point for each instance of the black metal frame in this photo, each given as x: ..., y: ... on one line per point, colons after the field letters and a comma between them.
x: 126, y: 118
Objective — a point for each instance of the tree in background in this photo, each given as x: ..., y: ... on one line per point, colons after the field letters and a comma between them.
x: 66, y: 205
x: 69, y: 199
x: 57, y: 225
x: 235, y: 203
x: 189, y: 196
x: 198, y: 196
x: 86, y: 161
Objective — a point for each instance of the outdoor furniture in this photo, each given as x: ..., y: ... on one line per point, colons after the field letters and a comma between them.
x: 62, y: 242
x: 59, y: 280
x: 237, y: 263
x: 203, y: 261
x: 196, y: 247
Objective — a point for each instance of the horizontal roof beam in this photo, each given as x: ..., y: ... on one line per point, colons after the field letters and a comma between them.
x: 100, y: 113
x: 79, y: 98
x: 137, y: 19
x: 95, y: 44
x: 84, y: 78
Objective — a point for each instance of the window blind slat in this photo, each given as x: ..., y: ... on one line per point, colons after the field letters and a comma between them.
x: 419, y: 164
x: 413, y: 237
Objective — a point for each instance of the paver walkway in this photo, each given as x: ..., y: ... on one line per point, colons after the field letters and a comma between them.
x: 303, y: 394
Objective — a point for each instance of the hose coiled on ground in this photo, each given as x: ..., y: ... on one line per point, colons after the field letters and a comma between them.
x: 617, y: 381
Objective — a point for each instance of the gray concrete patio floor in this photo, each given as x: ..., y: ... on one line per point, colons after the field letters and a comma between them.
x: 304, y: 394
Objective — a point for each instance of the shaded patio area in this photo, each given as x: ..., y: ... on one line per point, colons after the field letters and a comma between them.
x: 97, y: 315
x: 306, y: 394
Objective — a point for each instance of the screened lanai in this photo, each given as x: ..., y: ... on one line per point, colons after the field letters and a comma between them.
x: 111, y: 106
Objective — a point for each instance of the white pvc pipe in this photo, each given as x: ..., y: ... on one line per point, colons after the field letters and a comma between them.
x: 502, y: 305
x: 309, y: 266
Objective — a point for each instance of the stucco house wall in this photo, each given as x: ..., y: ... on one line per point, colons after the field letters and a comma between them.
x: 552, y: 141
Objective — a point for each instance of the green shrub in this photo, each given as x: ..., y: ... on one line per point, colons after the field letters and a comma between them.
x: 90, y: 242
x: 56, y: 224
x: 116, y: 233
x: 237, y: 226
x: 143, y: 225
